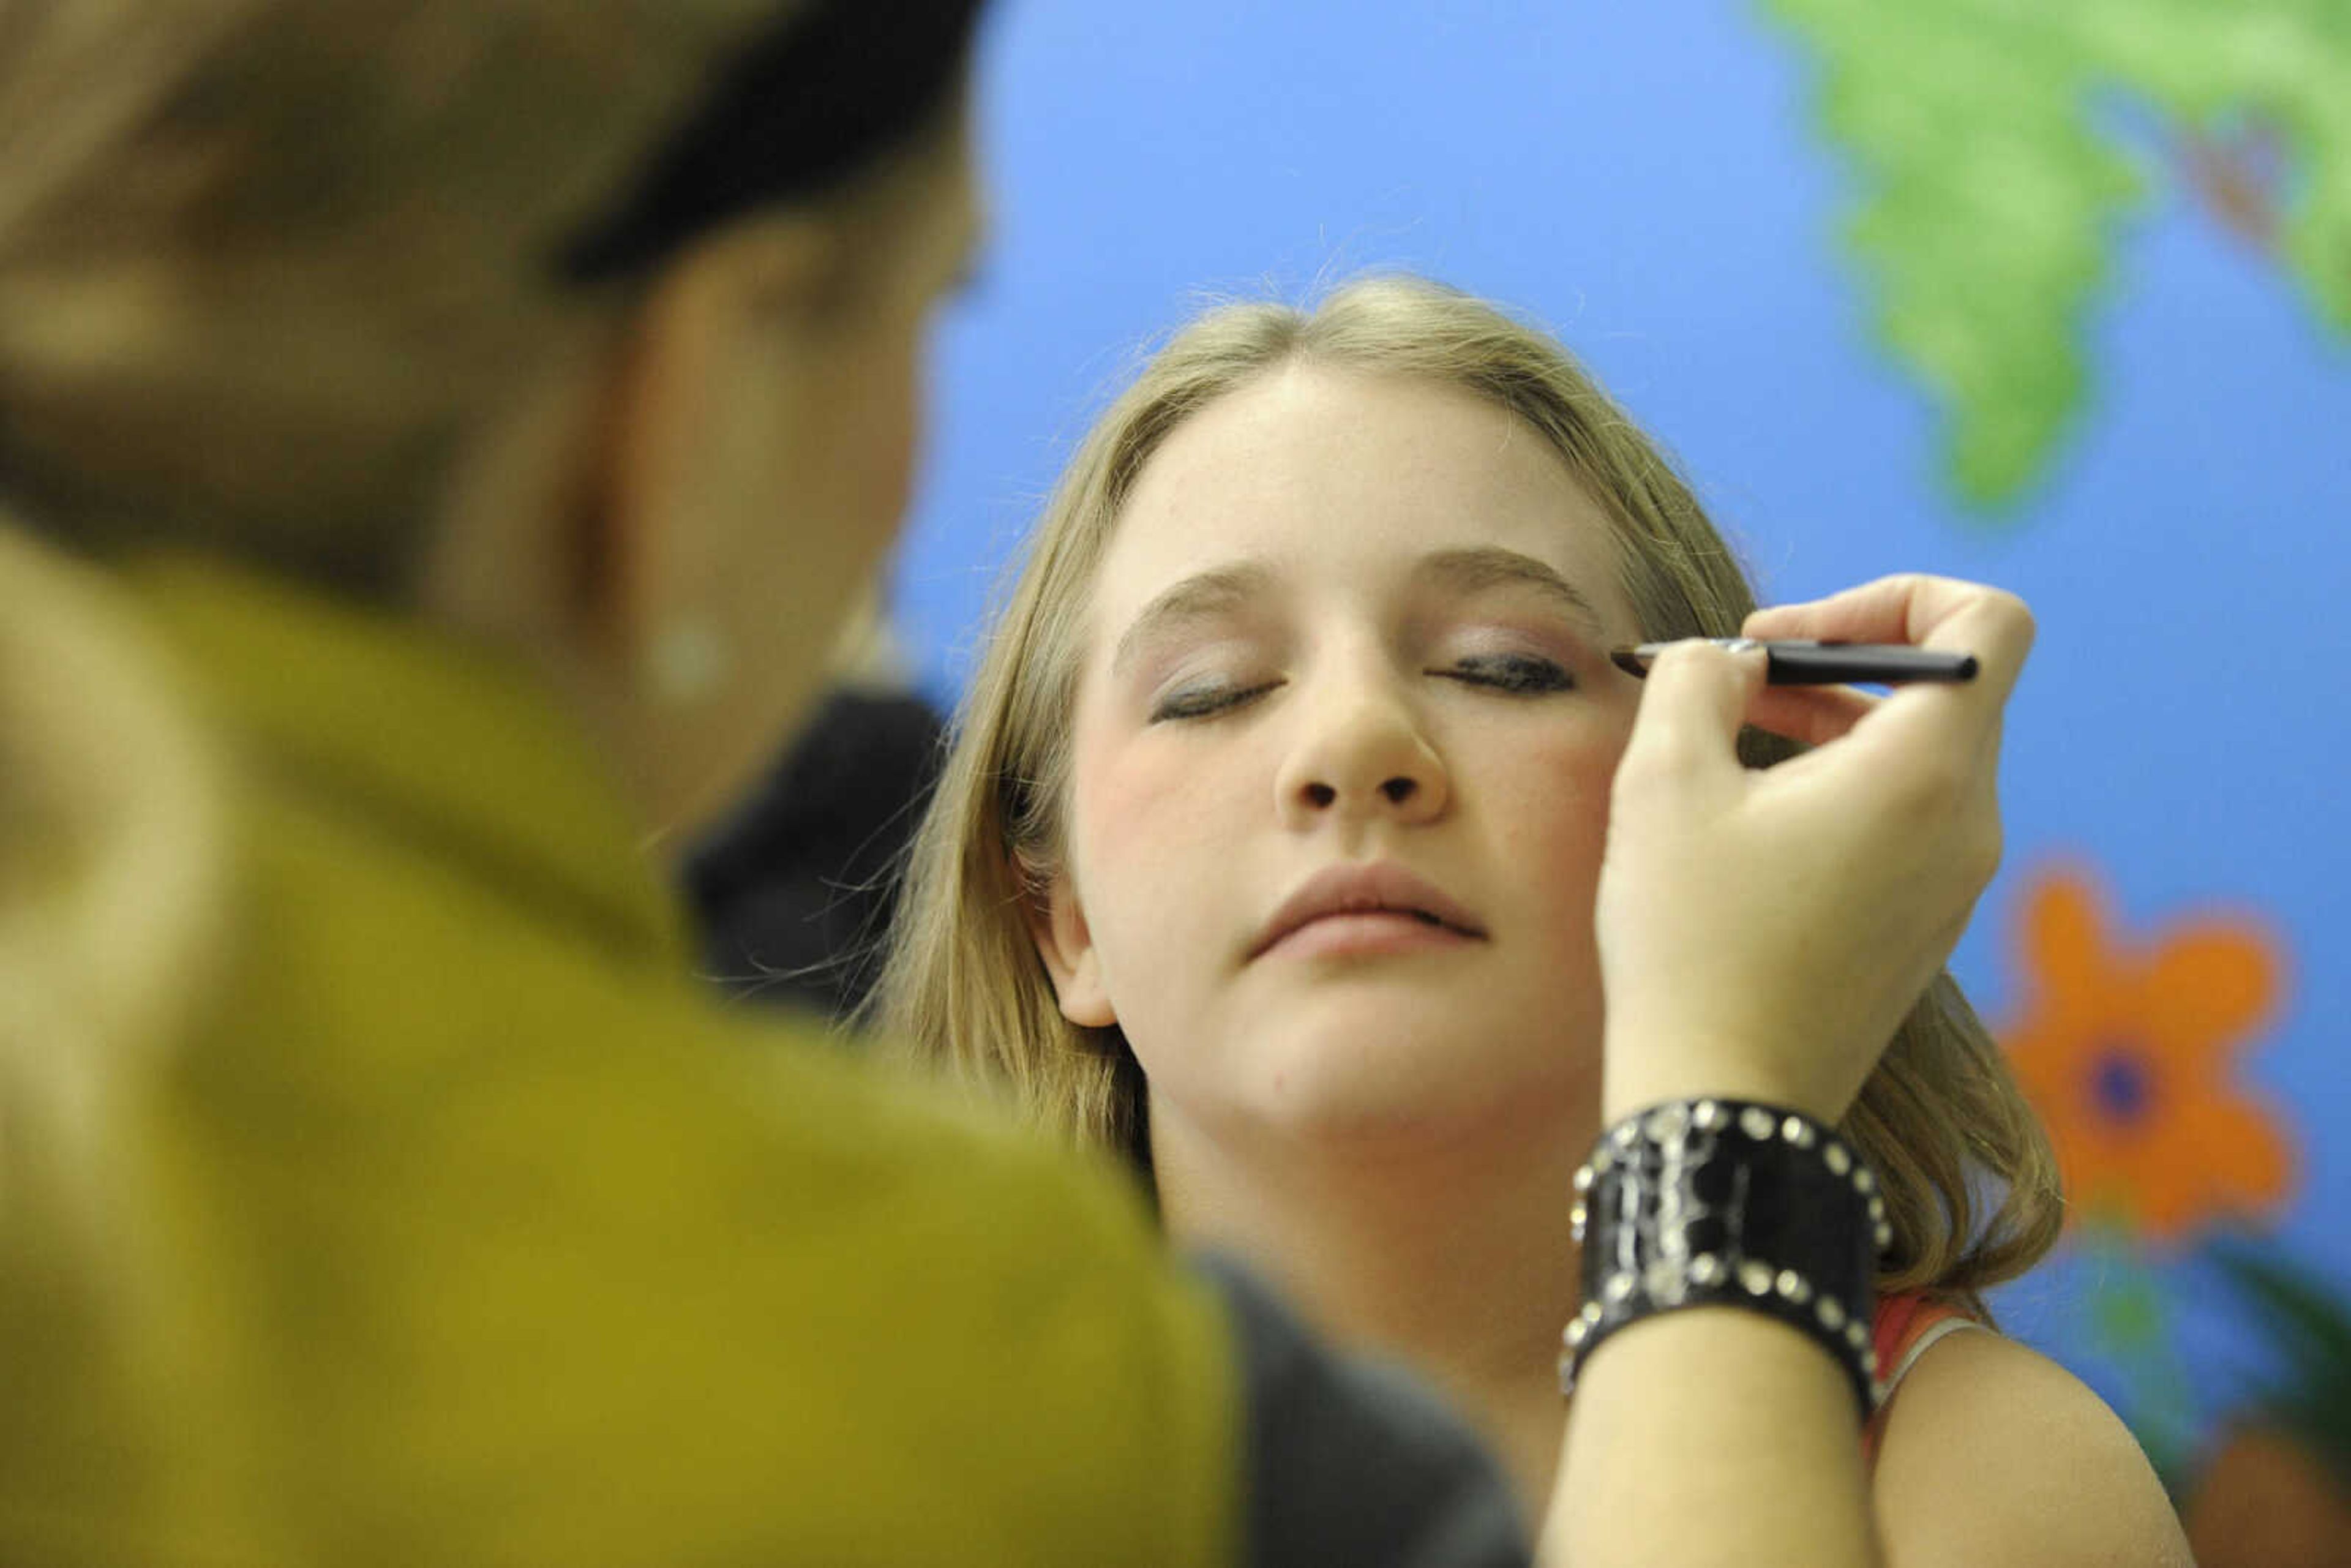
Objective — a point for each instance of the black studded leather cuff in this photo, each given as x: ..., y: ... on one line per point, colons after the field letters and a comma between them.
x: 1728, y: 1203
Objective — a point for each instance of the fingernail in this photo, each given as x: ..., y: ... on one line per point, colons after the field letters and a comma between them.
x: 1728, y: 645
x: 1638, y: 659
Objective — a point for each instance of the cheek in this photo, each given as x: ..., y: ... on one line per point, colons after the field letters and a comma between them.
x: 871, y: 438
x: 1140, y: 815
x: 899, y: 441
x: 1154, y: 830
x: 1551, y: 807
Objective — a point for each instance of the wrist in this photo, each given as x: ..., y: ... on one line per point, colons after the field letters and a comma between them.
x: 1728, y: 1202
x: 1630, y: 1085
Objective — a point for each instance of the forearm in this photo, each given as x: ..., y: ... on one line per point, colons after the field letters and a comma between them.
x: 1711, y: 1435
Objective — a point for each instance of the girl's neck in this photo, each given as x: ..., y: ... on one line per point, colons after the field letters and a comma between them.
x: 1455, y: 1259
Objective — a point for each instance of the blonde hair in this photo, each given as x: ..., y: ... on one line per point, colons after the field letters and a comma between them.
x: 1968, y: 1177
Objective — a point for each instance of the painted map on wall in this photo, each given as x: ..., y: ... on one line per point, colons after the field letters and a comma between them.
x: 2002, y: 147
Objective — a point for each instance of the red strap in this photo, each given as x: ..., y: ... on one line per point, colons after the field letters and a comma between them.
x: 1892, y: 1329
x: 1900, y: 1321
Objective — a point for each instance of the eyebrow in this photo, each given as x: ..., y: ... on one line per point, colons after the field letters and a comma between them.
x: 1480, y: 569
x: 1204, y: 596
x: 1476, y: 568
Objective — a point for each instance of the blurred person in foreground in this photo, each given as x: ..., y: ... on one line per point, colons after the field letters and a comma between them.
x: 437, y: 442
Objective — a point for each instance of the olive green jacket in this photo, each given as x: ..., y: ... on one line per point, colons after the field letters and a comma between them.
x: 466, y: 1227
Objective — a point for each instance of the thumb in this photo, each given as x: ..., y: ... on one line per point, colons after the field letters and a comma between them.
x: 1693, y: 705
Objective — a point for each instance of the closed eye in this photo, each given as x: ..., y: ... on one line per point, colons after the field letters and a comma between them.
x: 1518, y: 673
x: 1207, y: 701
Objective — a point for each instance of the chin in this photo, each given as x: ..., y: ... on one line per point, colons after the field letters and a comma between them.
x: 1380, y: 1074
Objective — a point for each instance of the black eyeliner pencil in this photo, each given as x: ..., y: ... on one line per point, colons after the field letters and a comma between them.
x: 1804, y: 663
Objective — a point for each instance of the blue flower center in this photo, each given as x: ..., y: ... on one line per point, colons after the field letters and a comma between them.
x: 2120, y: 1083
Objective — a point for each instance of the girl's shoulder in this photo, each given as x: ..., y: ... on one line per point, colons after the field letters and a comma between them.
x: 1985, y: 1450
x: 1907, y: 1326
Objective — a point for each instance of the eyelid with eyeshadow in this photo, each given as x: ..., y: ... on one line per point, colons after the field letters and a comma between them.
x: 1516, y: 672
x: 1194, y: 663
x: 1183, y: 677
x: 1542, y: 635
x: 1511, y: 674
x: 1199, y: 699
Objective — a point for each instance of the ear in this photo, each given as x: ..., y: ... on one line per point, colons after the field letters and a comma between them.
x: 1057, y: 923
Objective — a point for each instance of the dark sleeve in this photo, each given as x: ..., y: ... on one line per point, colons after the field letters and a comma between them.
x: 1350, y: 1462
x: 796, y: 890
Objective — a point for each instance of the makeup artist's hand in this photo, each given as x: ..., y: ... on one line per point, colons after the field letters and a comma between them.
x: 1763, y: 932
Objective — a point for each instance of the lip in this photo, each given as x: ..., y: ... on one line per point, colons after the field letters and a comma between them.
x: 1372, y: 905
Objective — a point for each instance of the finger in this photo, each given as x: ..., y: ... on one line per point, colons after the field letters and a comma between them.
x: 1696, y: 696
x: 1925, y: 763
x: 1879, y: 611
x: 1924, y: 612
x: 1812, y: 715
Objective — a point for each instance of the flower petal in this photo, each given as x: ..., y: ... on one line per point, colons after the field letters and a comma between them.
x: 2221, y: 1155
x: 2208, y: 989
x: 2070, y: 965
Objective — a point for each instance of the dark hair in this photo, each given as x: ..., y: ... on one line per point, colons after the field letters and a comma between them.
x: 813, y: 101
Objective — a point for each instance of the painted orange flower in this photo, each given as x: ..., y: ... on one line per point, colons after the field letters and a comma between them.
x: 2128, y: 1052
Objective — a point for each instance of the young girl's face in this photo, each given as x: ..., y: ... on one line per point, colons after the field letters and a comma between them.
x: 1346, y: 665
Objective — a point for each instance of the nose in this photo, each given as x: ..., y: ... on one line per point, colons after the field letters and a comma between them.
x: 1363, y: 753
